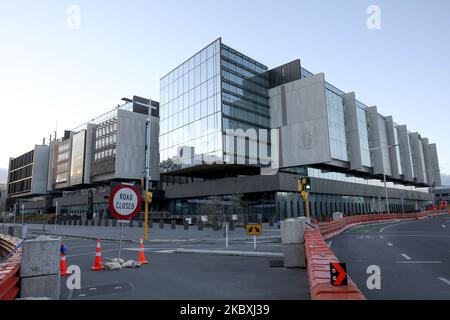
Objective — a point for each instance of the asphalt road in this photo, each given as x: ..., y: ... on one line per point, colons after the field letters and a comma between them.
x: 181, y: 276
x: 413, y: 256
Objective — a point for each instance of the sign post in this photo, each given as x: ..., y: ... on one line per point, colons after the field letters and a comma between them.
x: 254, y: 229
x: 124, y: 203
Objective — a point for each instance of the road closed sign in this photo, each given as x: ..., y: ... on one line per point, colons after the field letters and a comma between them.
x: 125, y: 201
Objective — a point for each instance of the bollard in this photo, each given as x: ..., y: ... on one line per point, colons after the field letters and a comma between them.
x: 161, y: 224
x: 150, y: 223
x: 173, y: 224
x: 114, y: 223
x: 106, y: 222
x: 131, y: 223
x: 292, y: 238
x: 271, y: 222
x: 140, y: 224
x: 86, y: 222
x: 186, y: 224
x: 39, y: 269
x: 231, y: 225
x: 93, y: 222
x: 99, y: 222
x: 200, y: 224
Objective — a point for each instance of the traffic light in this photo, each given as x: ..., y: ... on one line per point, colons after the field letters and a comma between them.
x: 304, y: 184
x: 307, y: 183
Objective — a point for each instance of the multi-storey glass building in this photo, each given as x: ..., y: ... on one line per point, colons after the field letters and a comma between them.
x: 344, y: 145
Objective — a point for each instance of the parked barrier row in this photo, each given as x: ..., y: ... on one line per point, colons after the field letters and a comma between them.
x: 319, y: 256
x: 331, y: 229
x: 9, y: 269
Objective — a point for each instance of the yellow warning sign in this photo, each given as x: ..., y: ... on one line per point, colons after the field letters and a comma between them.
x: 254, y: 229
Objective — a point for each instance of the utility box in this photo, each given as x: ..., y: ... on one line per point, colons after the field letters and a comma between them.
x: 337, y: 216
x: 39, y: 270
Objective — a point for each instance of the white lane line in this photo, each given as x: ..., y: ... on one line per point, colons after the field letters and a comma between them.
x: 381, y: 237
x: 91, y: 289
x: 445, y: 281
x: 419, y: 262
x: 405, y: 256
x: 82, y: 295
x: 330, y: 243
x: 396, y: 224
x: 165, y: 251
x: 117, y: 288
x: 389, y: 244
x: 90, y: 253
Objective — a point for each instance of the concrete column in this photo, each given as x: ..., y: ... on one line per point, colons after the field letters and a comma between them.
x: 405, y: 153
x: 351, y: 122
x: 435, y: 165
x: 39, y: 269
x: 427, y: 158
x: 292, y: 238
x: 417, y: 155
x: 392, y: 151
x: 375, y: 139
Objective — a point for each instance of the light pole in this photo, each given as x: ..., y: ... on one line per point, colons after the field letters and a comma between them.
x: 433, y: 187
x: 23, y: 209
x: 384, y: 175
x: 56, y: 214
x: 148, y: 177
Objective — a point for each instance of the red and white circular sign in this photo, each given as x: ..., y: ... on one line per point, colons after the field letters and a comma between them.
x: 125, y: 201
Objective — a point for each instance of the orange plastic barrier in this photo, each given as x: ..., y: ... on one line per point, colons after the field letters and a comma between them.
x: 319, y: 256
x: 9, y: 269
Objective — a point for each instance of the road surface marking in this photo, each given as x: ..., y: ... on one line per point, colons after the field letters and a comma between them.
x: 419, y: 262
x: 90, y: 253
x: 396, y: 224
x: 405, y: 256
x: 165, y: 251
x: 82, y: 295
x: 117, y: 288
x: 443, y: 226
x: 389, y: 244
x: 445, y: 281
x: 91, y: 289
x: 330, y: 243
x: 381, y: 237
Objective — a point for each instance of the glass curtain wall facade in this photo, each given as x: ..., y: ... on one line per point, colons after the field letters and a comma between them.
x: 363, y: 129
x: 215, y: 90
x: 336, y: 123
x: 190, y: 106
x: 245, y: 102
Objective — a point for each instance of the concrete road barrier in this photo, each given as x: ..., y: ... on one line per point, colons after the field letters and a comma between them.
x: 39, y: 271
x: 292, y: 238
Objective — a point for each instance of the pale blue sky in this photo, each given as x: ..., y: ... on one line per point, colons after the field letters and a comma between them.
x: 49, y: 73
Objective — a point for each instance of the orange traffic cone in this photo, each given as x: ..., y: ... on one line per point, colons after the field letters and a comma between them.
x: 63, y: 265
x: 141, y: 256
x: 98, y: 265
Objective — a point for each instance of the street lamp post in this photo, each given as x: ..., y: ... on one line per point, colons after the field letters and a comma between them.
x: 384, y: 175
x: 148, y: 177
x: 23, y: 209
